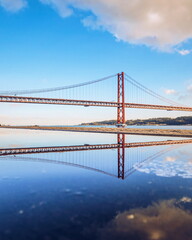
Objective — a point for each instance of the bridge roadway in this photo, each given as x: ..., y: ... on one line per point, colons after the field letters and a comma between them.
x: 16, y: 151
x: 86, y: 103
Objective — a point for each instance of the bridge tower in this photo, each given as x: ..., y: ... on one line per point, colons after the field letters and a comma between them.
x: 121, y: 155
x: 121, y: 100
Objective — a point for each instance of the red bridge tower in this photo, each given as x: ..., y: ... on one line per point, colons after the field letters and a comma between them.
x: 121, y: 100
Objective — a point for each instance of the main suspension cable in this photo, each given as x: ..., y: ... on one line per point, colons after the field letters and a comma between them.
x: 57, y: 88
x: 149, y: 91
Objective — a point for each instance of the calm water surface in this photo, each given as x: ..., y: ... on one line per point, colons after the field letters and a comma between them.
x: 187, y: 127
x: 78, y: 195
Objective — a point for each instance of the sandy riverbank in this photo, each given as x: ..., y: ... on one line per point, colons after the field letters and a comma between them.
x: 131, y: 131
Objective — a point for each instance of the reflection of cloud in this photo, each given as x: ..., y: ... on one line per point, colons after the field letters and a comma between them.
x: 14, y: 145
x: 190, y: 161
x: 186, y: 199
x: 170, y: 159
x: 186, y: 152
x: 163, y: 220
x: 171, y: 166
x: 4, y: 131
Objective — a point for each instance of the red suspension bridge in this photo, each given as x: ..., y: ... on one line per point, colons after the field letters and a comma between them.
x: 121, y: 104
x: 80, y: 99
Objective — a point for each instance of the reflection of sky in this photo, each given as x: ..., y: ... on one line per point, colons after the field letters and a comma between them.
x: 187, y: 127
x: 65, y: 202
x: 103, y: 160
x: 27, y: 138
x: 31, y: 138
x: 177, y: 163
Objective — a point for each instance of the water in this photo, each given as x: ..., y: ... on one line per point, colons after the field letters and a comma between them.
x: 187, y: 127
x: 78, y: 195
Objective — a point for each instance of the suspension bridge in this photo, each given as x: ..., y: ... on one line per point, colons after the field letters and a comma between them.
x: 79, y: 98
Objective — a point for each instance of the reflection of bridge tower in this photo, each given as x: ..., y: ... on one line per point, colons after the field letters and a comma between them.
x: 121, y: 155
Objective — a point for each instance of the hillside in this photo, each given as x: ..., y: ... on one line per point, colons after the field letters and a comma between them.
x: 151, y: 121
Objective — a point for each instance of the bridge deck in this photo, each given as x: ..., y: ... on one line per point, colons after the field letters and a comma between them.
x: 87, y: 103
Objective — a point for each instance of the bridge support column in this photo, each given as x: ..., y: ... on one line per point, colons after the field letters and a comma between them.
x: 121, y: 155
x: 120, y: 100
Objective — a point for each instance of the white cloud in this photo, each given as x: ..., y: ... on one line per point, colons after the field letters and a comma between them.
x: 13, y: 5
x: 184, y: 52
x: 61, y: 6
x: 170, y: 91
x: 187, y: 96
x: 160, y: 24
x: 189, y: 88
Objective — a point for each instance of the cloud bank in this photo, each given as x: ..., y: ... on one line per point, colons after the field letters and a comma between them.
x: 160, y: 24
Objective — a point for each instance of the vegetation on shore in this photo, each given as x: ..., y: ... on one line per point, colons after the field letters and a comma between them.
x: 151, y: 121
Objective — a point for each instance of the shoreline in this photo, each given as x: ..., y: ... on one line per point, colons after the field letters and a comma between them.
x: 129, y: 131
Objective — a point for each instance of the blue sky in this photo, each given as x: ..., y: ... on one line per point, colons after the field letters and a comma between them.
x: 50, y: 44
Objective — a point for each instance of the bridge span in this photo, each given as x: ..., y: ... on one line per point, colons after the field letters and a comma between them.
x: 87, y: 103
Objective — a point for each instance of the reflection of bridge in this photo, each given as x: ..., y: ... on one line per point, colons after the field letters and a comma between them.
x: 120, y: 104
x: 33, y: 150
x: 120, y: 146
